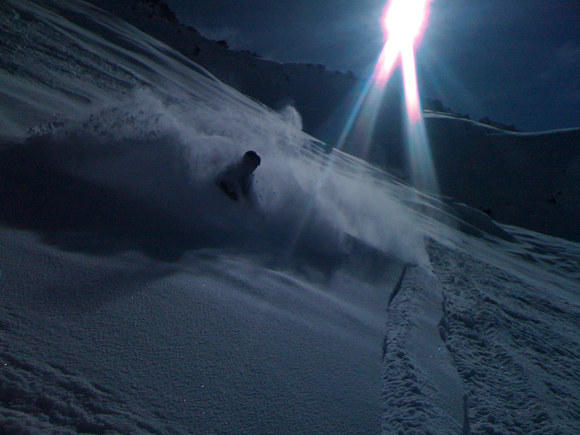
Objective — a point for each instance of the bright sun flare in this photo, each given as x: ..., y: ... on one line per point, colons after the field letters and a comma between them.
x: 403, y: 22
x: 404, y: 19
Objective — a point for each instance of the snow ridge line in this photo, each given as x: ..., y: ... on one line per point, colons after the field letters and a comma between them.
x: 422, y: 392
x: 392, y: 296
x: 397, y: 286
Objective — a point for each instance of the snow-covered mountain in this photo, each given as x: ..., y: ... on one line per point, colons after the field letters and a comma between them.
x: 530, y: 180
x: 136, y: 298
x: 539, y: 196
x: 272, y: 83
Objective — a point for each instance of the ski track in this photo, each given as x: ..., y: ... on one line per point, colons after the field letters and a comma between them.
x: 515, y: 348
x: 422, y: 391
x: 501, y: 359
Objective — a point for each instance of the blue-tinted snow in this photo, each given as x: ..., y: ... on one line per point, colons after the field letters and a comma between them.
x: 136, y: 299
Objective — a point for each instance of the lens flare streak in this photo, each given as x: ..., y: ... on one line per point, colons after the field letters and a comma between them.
x: 386, y: 64
x: 404, y: 23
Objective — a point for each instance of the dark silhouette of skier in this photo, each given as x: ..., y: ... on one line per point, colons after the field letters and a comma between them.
x: 236, y: 180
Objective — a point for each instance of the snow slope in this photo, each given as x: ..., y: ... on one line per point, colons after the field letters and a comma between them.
x: 530, y: 179
x: 541, y: 187
x: 272, y: 83
x: 135, y: 298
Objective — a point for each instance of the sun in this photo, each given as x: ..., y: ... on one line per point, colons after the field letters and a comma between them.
x: 403, y: 23
x: 404, y: 20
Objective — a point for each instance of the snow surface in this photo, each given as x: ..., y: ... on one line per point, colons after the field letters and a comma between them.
x: 136, y: 298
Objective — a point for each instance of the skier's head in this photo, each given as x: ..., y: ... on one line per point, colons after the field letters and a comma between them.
x: 251, y: 160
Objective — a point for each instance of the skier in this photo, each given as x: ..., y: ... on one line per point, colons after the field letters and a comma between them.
x: 237, y: 178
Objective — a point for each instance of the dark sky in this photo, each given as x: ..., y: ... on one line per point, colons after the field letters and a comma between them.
x: 516, y: 61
